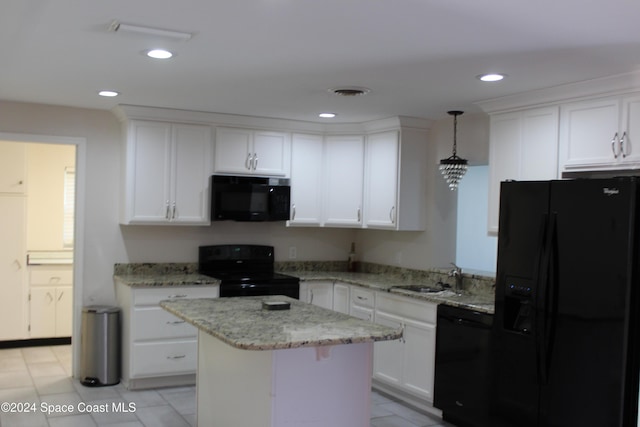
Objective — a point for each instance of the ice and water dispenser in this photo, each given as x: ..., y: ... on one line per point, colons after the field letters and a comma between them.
x: 518, y: 305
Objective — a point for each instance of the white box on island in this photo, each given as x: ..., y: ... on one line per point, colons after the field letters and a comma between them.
x: 312, y: 366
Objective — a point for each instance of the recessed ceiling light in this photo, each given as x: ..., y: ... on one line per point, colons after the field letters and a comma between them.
x: 492, y: 77
x: 159, y: 54
x: 327, y: 115
x: 108, y: 93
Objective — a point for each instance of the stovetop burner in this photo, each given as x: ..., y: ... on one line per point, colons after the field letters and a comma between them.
x: 246, y: 270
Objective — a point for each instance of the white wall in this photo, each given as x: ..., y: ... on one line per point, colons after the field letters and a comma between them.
x: 106, y: 242
x: 436, y: 246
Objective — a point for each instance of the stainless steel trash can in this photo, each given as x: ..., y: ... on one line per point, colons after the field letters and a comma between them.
x: 100, y: 346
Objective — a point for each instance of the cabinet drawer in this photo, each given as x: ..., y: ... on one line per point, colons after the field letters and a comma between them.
x: 362, y: 297
x: 407, y: 307
x: 166, y: 358
x: 51, y: 277
x: 154, y: 296
x: 150, y: 323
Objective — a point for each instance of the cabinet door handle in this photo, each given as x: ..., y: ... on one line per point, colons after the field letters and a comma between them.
x: 311, y: 299
x: 173, y: 211
x: 168, y: 211
x: 392, y: 214
x: 293, y: 212
x: 50, y: 296
x: 182, y: 356
x: 177, y: 296
x: 358, y: 214
x: 622, y: 150
x: 61, y: 295
x: 249, y: 161
x: 361, y: 298
x: 255, y: 161
x: 18, y: 264
x: 613, y: 145
x: 176, y: 322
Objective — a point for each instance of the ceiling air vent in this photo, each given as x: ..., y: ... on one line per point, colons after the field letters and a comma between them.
x: 350, y: 91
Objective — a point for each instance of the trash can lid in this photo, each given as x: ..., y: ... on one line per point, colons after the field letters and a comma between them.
x: 100, y: 309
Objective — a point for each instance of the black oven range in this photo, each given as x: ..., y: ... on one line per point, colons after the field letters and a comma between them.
x: 245, y: 270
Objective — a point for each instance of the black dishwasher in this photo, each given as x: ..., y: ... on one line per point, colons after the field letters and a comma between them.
x: 462, y: 366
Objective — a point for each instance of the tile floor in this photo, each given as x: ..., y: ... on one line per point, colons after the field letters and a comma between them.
x: 40, y: 377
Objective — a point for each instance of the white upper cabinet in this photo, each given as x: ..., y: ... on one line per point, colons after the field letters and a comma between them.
x: 13, y: 167
x: 395, y: 180
x: 245, y: 151
x: 599, y: 134
x: 167, y: 173
x: 523, y: 146
x: 306, y: 179
x: 381, y: 180
x: 343, y: 178
x: 369, y: 180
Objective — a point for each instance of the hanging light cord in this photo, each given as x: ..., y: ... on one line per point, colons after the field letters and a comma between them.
x: 455, y: 134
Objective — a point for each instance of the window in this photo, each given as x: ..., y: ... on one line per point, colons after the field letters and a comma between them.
x: 69, y: 206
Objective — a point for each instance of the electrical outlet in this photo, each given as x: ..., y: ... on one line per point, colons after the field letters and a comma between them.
x: 293, y: 252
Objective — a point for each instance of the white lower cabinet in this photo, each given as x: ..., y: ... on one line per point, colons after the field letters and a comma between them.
x: 317, y: 292
x: 408, y: 364
x: 341, y: 293
x: 158, y: 348
x: 362, y: 303
x: 50, y: 301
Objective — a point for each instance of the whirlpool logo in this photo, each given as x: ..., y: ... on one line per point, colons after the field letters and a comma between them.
x: 610, y: 191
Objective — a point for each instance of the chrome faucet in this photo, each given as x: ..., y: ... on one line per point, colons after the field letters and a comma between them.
x: 456, y: 273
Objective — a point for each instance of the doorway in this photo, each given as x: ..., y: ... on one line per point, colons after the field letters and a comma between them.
x: 50, y: 232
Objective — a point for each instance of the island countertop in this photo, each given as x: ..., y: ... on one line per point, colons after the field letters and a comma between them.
x: 242, y: 323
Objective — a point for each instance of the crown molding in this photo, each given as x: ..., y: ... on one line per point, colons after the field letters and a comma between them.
x: 604, y: 86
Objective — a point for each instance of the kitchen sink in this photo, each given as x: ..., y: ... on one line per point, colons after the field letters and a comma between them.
x: 424, y: 289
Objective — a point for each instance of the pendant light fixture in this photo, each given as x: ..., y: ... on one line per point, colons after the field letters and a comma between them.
x: 454, y: 167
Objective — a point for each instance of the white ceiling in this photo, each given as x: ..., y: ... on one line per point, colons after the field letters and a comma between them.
x: 278, y: 58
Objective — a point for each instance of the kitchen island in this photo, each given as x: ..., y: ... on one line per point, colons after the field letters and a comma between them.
x: 305, y: 366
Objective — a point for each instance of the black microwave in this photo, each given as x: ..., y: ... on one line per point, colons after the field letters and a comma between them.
x: 246, y: 198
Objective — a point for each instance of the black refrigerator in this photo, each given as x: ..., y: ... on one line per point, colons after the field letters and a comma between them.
x: 564, y: 342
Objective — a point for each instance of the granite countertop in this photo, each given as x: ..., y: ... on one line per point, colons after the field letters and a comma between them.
x: 242, y: 323
x: 151, y: 280
x: 483, y: 302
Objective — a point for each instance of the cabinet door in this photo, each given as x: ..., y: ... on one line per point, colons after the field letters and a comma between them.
x: 320, y: 294
x: 43, y: 312
x: 341, y: 298
x: 13, y: 303
x: 523, y: 146
x: 13, y: 167
x: 192, y: 159
x: 64, y: 311
x: 149, y: 172
x: 388, y: 355
x: 306, y: 179
x: 233, y: 152
x: 631, y: 125
x: 363, y: 313
x: 586, y: 134
x: 381, y: 180
x: 271, y: 153
x: 344, y: 174
x: 419, y: 357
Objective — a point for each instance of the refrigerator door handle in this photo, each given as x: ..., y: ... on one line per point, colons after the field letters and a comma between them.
x: 541, y: 284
